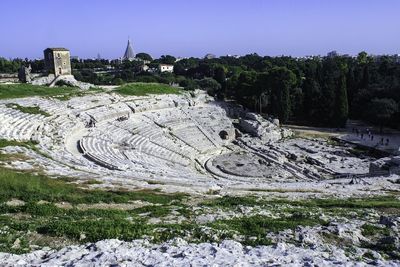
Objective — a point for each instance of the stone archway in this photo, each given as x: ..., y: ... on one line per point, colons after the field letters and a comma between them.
x: 224, y: 135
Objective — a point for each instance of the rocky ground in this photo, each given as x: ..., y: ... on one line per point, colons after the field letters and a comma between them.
x: 209, y: 230
x: 179, y: 253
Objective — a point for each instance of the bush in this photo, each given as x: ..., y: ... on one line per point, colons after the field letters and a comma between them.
x: 146, y: 79
x: 118, y: 81
x: 188, y: 84
x: 210, y: 85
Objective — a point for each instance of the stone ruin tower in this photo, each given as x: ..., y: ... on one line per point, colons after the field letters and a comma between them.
x: 57, y: 61
x: 24, y: 74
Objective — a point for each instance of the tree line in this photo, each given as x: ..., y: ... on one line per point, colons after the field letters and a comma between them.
x: 320, y: 91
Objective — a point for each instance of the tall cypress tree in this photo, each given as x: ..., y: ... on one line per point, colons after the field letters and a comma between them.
x: 341, y: 104
x: 281, y: 81
x: 219, y: 76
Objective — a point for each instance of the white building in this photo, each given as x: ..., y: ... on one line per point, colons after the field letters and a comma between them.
x: 165, y: 68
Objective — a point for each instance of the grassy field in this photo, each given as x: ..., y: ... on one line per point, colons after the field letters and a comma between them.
x: 29, y: 187
x: 141, y: 89
x: 39, y: 214
x: 4, y: 143
x: 39, y: 220
x: 27, y: 144
x: 8, y: 91
x: 37, y: 210
x: 30, y: 110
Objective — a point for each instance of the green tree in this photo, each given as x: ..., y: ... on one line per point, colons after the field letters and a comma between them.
x: 262, y: 92
x: 312, y: 96
x: 341, y: 105
x: 281, y: 81
x: 167, y: 59
x: 167, y: 78
x: 189, y: 84
x: 11, y: 66
x: 144, y: 56
x: 246, y: 85
x: 219, y: 76
x: 380, y: 110
x: 362, y: 58
x: 297, y: 103
x: 179, y: 69
x: 210, y: 85
x: 118, y: 81
x: 365, y: 80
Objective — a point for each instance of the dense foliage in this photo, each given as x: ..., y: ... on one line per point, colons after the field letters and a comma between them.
x: 322, y: 91
x: 12, y: 66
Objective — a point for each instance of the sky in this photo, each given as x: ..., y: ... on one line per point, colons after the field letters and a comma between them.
x: 185, y: 28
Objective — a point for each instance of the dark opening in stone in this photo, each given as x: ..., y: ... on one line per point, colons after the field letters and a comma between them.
x: 223, y: 134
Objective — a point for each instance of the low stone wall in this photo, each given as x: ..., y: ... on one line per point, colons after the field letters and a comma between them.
x: 8, y: 77
x: 390, y: 164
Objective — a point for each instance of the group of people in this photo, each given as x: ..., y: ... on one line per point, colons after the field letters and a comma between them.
x: 370, y: 136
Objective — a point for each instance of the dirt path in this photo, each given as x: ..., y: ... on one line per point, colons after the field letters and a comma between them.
x: 355, y: 132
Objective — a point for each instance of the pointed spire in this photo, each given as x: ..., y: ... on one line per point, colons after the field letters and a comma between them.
x: 129, y: 54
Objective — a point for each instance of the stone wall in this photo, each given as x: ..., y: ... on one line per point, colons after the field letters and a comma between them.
x: 390, y: 164
x: 8, y: 77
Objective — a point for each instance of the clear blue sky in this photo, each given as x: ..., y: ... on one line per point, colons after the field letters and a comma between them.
x: 197, y: 27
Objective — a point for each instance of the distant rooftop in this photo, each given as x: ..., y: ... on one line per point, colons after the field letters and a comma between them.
x: 57, y: 49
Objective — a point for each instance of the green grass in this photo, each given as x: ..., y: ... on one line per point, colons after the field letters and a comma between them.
x: 95, y: 229
x: 231, y: 202
x: 67, y: 224
x: 141, y: 89
x: 333, y: 142
x: 25, y: 90
x: 258, y: 226
x: 354, y: 203
x: 103, y: 228
x: 93, y: 224
x: 372, y: 230
x: 8, y: 91
x: 8, y: 237
x: 30, y: 187
x: 328, y: 203
x: 28, y: 144
x: 75, y: 225
x: 153, y: 211
x: 91, y: 182
x: 30, y: 110
x: 72, y: 224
